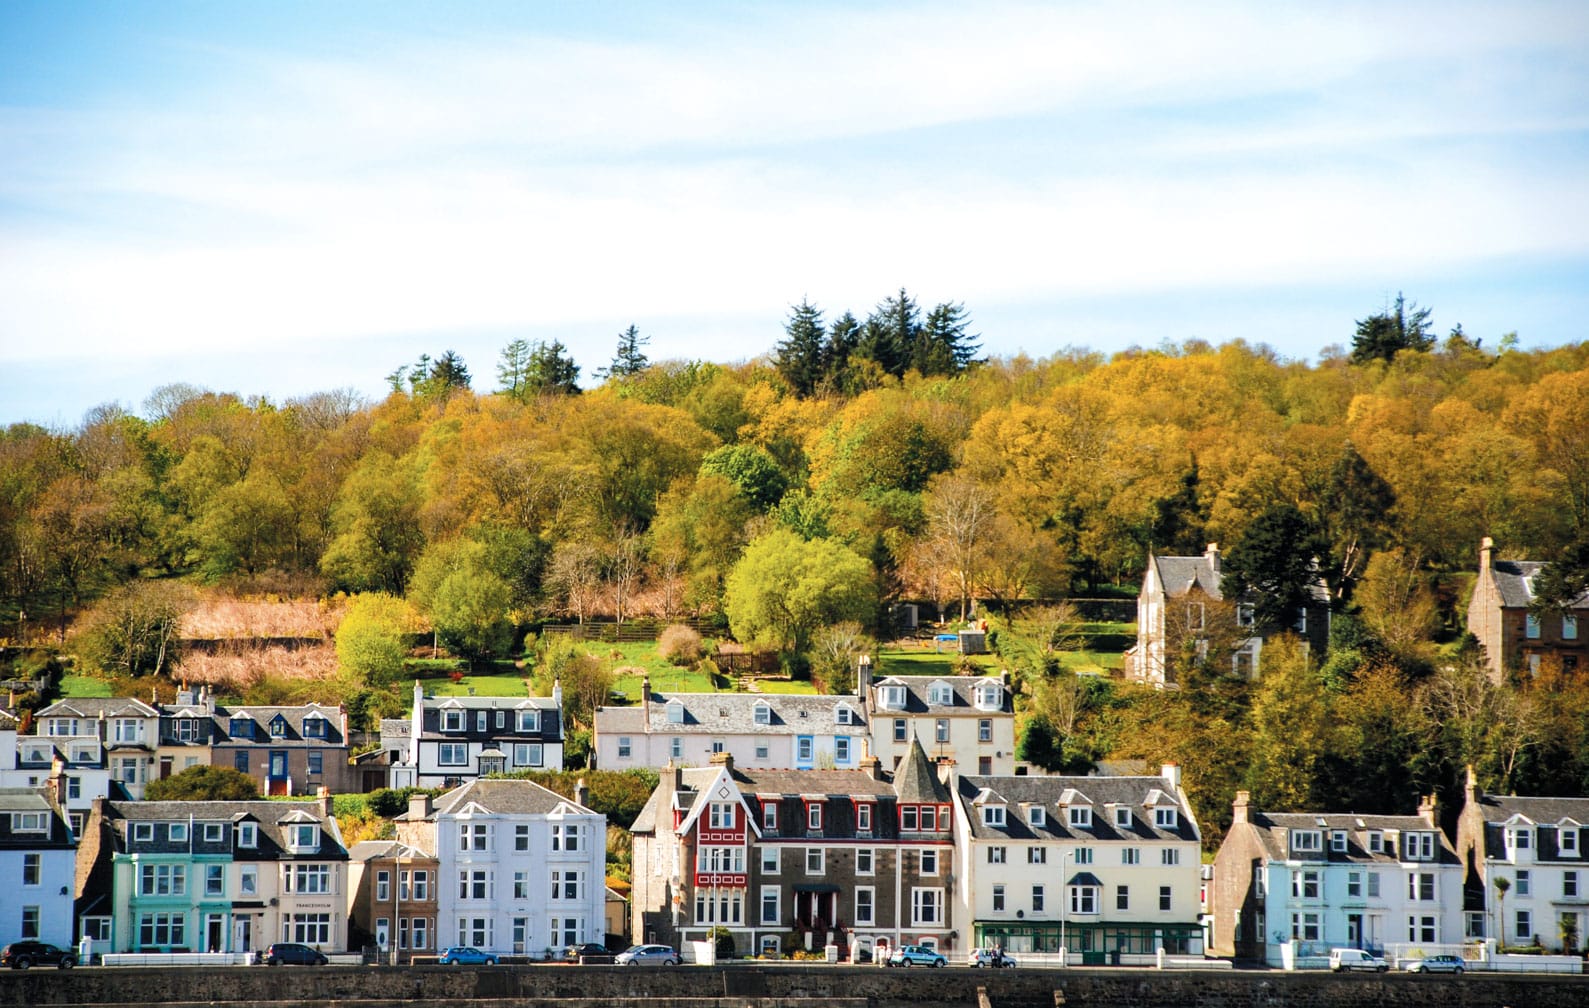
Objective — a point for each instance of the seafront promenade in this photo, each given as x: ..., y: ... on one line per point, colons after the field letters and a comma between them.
x: 768, y: 986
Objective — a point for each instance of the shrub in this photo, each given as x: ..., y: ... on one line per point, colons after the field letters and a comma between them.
x: 680, y: 645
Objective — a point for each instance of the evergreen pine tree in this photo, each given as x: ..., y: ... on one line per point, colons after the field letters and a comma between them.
x: 799, y: 356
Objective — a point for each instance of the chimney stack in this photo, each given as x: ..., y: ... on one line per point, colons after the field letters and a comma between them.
x: 581, y: 794
x: 323, y: 794
x: 645, y: 701
x: 1171, y: 772
x: 58, y: 781
x: 1213, y: 556
x: 1486, y: 553
x: 1238, y: 808
x: 420, y: 807
x: 724, y: 759
x: 1426, y: 809
x: 863, y: 676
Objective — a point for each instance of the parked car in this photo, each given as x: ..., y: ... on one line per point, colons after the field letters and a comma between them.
x: 465, y: 955
x: 588, y: 953
x: 1436, y: 964
x: 648, y: 955
x: 22, y: 954
x: 1342, y: 959
x: 991, y: 958
x: 916, y: 955
x: 293, y: 954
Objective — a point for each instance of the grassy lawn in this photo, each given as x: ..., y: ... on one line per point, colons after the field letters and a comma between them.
x: 84, y: 686
x: 786, y: 686
x: 923, y: 660
x: 668, y: 680
x: 497, y: 683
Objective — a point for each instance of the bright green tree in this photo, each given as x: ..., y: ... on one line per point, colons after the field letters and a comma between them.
x: 203, y: 783
x: 374, y: 637
x: 466, y: 601
x: 784, y: 587
x: 752, y: 469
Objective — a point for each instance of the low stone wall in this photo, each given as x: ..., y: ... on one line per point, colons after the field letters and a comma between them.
x: 753, y: 986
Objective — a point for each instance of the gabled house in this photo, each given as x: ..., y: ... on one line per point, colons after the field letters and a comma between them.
x: 789, y: 859
x: 1292, y: 886
x: 1538, y: 846
x: 392, y: 893
x: 288, y: 750
x: 1104, y: 868
x: 1514, y: 639
x: 186, y: 732
x: 456, y: 739
x: 967, y: 719
x: 217, y: 876
x: 124, y: 733
x: 784, y: 731
x: 1182, y: 601
x: 38, y: 857
x: 522, y: 870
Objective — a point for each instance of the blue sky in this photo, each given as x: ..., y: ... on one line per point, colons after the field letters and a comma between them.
x: 276, y: 199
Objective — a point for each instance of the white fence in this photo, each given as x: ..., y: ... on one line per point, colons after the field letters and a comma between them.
x: 177, y: 958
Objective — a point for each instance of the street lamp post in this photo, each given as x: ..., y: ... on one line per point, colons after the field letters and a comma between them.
x: 1064, y: 908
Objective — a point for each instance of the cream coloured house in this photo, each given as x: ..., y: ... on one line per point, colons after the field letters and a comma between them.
x: 1105, y: 868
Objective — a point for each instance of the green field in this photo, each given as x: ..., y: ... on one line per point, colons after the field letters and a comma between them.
x: 494, y: 683
x: 84, y: 687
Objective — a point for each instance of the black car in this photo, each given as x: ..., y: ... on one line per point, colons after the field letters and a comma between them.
x: 293, y: 954
x: 589, y: 953
x: 22, y: 954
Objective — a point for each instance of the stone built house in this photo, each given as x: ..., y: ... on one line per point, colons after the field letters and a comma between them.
x: 1183, y: 596
x: 1107, y: 868
x: 792, y: 859
x: 392, y: 892
x: 1303, y: 883
x: 1515, y: 640
x: 293, y: 750
x: 1538, y: 846
x: 763, y: 730
x: 38, y: 861
x: 522, y: 869
x: 219, y: 876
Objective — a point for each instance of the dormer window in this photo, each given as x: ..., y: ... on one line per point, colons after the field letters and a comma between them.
x: 891, y: 697
x: 1122, y: 818
x: 1080, y: 816
x: 1037, y: 816
x: 480, y: 721
x: 1419, y: 846
x: 35, y: 754
x: 1567, y: 839
x: 814, y: 816
x: 187, y: 730
x: 452, y: 720
x: 1166, y: 817
x: 993, y: 815
x: 213, y: 832
x: 769, y: 815
x: 61, y: 726
x: 1376, y: 842
x: 843, y: 715
x: 248, y: 834
x: 675, y: 712
x: 940, y: 694
x: 762, y: 714
x: 1307, y: 842
x: 1520, y: 838
x: 303, y: 836
x: 241, y: 727
x: 278, y: 727
x: 1338, y: 841
x: 314, y: 726
x: 989, y: 696
x: 863, y: 817
x: 143, y: 832
x: 177, y: 831
x: 529, y: 720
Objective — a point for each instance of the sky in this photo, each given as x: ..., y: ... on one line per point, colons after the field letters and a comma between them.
x: 275, y: 199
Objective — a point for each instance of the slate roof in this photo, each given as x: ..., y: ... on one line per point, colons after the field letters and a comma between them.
x: 98, y: 707
x: 1514, y: 583
x: 963, y: 701
x: 18, y: 799
x: 916, y: 782
x: 1274, y: 830
x: 1178, y: 575
x: 1020, y: 793
x: 366, y: 850
x: 1499, y: 808
x: 829, y: 783
x: 273, y: 818
x: 693, y: 779
x: 735, y: 714
x: 294, y: 715
x: 505, y: 796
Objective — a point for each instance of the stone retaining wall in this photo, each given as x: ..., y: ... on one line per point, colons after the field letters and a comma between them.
x: 769, y: 986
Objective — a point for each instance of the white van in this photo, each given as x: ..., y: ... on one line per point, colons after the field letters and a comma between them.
x: 1356, y: 959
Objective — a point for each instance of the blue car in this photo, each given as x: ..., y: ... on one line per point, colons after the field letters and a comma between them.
x: 916, y: 955
x: 464, y: 955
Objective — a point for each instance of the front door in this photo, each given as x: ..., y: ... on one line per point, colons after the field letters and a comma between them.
x: 243, y: 934
x: 165, y: 767
x: 215, y: 932
x: 1354, y: 930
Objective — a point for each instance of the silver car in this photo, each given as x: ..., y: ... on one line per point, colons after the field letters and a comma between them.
x: 648, y: 955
